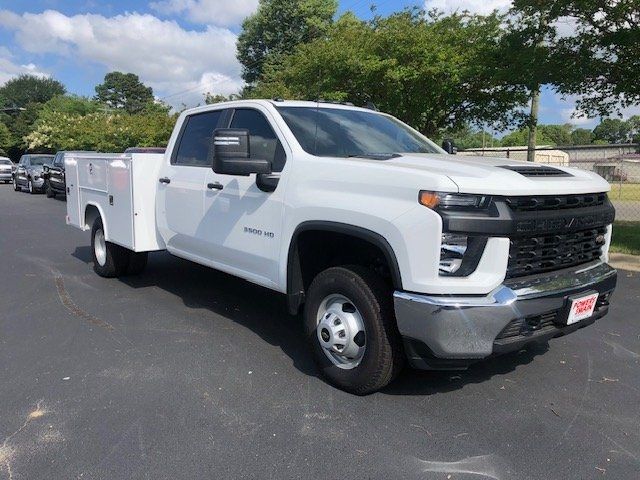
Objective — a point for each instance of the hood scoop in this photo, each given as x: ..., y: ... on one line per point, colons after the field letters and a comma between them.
x: 531, y: 171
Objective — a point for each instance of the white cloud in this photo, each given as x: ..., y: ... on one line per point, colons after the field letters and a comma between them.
x: 480, y: 7
x: 164, y: 55
x: 9, y: 69
x: 214, y: 12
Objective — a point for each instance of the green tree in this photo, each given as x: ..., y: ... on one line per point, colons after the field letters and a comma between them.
x: 71, y: 104
x: 601, y: 60
x: 557, y: 134
x: 26, y: 89
x: 612, y: 130
x: 5, y: 139
x: 211, y: 98
x: 100, y: 131
x: 526, y: 54
x: 124, y: 91
x: 582, y: 136
x: 429, y: 70
x: 520, y: 137
x: 277, y: 27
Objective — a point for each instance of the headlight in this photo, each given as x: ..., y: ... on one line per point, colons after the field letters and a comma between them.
x: 453, y: 201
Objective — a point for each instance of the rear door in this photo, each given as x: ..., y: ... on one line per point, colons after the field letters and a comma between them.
x: 182, y: 185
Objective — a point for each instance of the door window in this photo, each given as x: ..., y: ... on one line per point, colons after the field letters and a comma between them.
x: 193, y: 145
x: 263, y: 142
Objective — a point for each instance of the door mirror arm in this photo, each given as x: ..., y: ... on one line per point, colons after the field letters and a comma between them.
x: 268, y: 182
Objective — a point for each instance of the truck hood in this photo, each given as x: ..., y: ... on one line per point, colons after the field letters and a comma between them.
x: 485, y: 175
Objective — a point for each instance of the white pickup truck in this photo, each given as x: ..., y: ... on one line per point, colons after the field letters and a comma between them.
x: 396, y: 250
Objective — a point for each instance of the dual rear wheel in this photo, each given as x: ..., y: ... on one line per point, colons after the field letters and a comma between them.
x: 111, y: 260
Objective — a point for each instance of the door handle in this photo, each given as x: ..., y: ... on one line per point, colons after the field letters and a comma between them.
x: 215, y: 186
x: 165, y: 180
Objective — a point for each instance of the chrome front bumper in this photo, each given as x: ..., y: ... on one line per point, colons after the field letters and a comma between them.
x: 460, y: 329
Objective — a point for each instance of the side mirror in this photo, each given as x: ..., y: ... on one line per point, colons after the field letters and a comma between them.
x: 449, y: 147
x: 46, y: 170
x: 229, y: 154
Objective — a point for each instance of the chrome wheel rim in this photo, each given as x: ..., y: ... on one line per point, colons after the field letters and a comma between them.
x: 30, y: 186
x: 341, y: 331
x: 100, y: 247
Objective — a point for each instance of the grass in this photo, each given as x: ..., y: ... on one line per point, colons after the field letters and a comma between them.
x: 626, y: 238
x: 625, y: 192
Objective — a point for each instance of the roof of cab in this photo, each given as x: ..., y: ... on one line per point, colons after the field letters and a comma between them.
x: 276, y: 103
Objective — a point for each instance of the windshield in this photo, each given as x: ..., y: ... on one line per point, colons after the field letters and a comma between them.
x: 5, y: 162
x: 41, y: 160
x: 333, y: 132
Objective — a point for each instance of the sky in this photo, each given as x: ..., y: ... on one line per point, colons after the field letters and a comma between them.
x: 181, y: 48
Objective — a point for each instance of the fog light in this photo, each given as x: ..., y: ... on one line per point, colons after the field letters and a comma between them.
x: 452, y: 250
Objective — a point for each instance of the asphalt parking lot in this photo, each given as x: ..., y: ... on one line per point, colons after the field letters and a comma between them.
x: 189, y: 373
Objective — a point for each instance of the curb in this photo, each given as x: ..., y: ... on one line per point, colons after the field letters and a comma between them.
x: 625, y: 262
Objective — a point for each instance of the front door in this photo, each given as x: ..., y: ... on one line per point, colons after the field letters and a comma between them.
x: 242, y: 223
x: 181, y: 187
x: 21, y: 171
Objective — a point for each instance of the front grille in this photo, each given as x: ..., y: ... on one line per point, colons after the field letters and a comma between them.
x: 537, y: 254
x: 532, y: 203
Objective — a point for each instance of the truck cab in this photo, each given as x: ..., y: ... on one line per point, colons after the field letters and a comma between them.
x: 396, y: 250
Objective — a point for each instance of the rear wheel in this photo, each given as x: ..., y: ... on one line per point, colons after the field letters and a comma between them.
x: 350, y: 323
x: 109, y: 260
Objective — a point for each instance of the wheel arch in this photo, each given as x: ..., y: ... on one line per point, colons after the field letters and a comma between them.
x: 92, y: 211
x: 295, y: 278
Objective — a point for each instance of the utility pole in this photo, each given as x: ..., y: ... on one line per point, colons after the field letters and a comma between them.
x: 533, y: 124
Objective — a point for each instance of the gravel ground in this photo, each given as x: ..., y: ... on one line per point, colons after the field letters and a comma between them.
x: 189, y: 373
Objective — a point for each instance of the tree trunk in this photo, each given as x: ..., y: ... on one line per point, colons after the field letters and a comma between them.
x: 533, y: 124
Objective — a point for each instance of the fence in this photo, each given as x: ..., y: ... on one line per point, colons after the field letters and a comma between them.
x: 618, y: 164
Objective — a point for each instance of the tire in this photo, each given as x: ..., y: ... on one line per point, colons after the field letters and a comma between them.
x: 31, y: 188
x: 114, y: 259
x: 49, y: 191
x: 15, y: 185
x: 372, y: 298
x: 137, y: 263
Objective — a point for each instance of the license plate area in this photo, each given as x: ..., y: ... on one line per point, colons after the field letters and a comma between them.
x: 581, y: 307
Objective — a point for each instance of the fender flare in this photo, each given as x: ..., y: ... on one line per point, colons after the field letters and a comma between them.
x: 295, y: 287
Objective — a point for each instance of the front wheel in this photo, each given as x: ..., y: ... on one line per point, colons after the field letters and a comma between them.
x: 15, y: 185
x: 109, y: 260
x: 31, y: 188
x: 350, y: 323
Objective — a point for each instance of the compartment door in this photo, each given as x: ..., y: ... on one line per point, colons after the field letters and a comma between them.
x: 73, y: 193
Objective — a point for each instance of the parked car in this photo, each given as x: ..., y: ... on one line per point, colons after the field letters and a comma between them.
x: 6, y: 170
x: 397, y: 251
x: 29, y: 172
x: 54, y: 176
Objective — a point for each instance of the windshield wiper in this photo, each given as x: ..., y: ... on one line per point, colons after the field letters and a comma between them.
x: 375, y: 156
